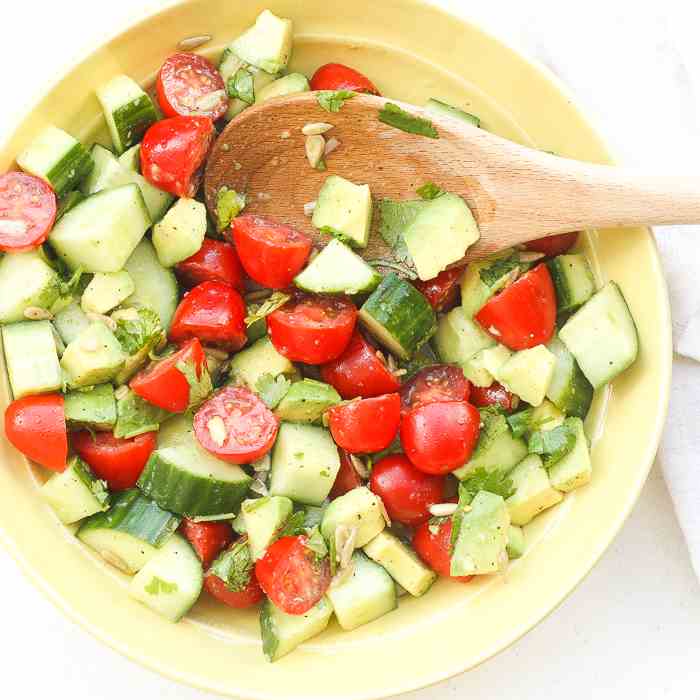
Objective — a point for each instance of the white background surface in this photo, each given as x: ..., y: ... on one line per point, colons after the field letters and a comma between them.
x: 632, y: 629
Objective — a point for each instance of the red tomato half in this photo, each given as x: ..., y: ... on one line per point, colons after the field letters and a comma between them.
x: 440, y: 437
x: 272, y: 254
x: 118, y: 461
x: 433, y: 385
x: 173, y: 152
x: 164, y: 384
x: 359, y: 371
x: 214, y: 312
x: 27, y: 212
x: 311, y: 328
x: 292, y: 576
x: 522, y: 315
x: 553, y: 245
x: 347, y: 479
x: 435, y: 549
x: 215, y: 261
x: 336, y: 76
x: 190, y: 86
x: 366, y: 425
x: 36, y: 426
x: 494, y: 395
x: 236, y: 426
x: 208, y: 539
x: 251, y: 595
x: 441, y: 291
x: 406, y: 491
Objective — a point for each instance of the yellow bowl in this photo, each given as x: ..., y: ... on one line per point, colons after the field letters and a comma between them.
x: 412, y: 51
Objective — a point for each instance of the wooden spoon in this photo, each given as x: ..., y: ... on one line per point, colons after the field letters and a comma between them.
x: 516, y: 194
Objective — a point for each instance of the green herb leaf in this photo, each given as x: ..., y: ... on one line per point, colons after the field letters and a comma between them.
x: 234, y: 566
x: 271, y: 304
x: 144, y: 331
x: 553, y: 444
x: 240, y: 85
x: 495, y: 273
x: 200, y: 386
x: 136, y: 416
x: 395, y: 218
x: 429, y: 191
x: 229, y: 204
x: 521, y: 422
x: 293, y: 526
x: 317, y: 544
x: 272, y: 389
x: 69, y: 286
x: 333, y: 100
x: 393, y: 115
x: 158, y: 586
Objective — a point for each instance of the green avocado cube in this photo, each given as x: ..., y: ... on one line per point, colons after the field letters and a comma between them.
x: 94, y: 357
x: 533, y: 491
x: 306, y: 401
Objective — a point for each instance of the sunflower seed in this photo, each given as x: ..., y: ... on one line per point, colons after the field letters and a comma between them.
x: 309, y: 208
x: 217, y: 430
x: 331, y: 145
x: 314, y: 146
x: 316, y: 128
x: 391, y: 362
x: 345, y: 538
x: 236, y: 165
x: 511, y: 277
x: 359, y: 466
x: 381, y: 357
x: 264, y: 196
x: 36, y: 313
x: 90, y: 345
x: 400, y: 372
x: 121, y: 392
x: 193, y: 42
x: 515, y: 401
x: 129, y: 314
x: 442, y: 510
x: 494, y: 331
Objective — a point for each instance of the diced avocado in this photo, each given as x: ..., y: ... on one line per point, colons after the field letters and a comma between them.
x: 106, y: 291
x: 94, y: 357
x: 282, y: 633
x: 546, y: 416
x: 366, y: 594
x: 287, y: 85
x: 136, y: 416
x: 569, y: 389
x: 480, y: 547
x: 304, y: 463
x: 493, y: 358
x: 483, y: 278
x: 528, y: 373
x: 260, y: 358
x: 95, y: 408
x: 26, y: 281
x: 267, y: 44
x: 344, y: 209
x: 533, y: 492
x: 70, y: 322
x: 306, y: 401
x: 516, y: 542
x: 440, y: 235
x: 31, y: 358
x: 402, y: 563
x: 76, y: 493
x: 442, y: 108
x: 357, y: 508
x: 179, y: 234
x: 459, y: 339
x: 496, y: 447
x: 263, y: 517
x: 337, y: 270
x: 574, y: 469
x: 475, y: 371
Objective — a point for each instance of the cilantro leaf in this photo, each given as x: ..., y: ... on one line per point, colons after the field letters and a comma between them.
x: 429, y: 191
x: 240, y: 85
x: 200, y: 386
x: 229, y: 204
x: 234, y: 566
x: 293, y: 526
x: 492, y: 274
x: 553, y: 444
x: 137, y: 333
x: 395, y: 217
x: 69, y: 286
x: 136, y: 416
x: 333, y: 100
x: 271, y: 304
x: 520, y: 422
x: 393, y: 115
x: 272, y: 389
x: 158, y: 585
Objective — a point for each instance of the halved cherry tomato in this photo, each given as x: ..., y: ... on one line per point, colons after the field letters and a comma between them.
x: 215, y: 261
x: 522, y: 315
x: 292, y: 576
x: 236, y: 426
x: 272, y: 254
x: 435, y: 549
x: 347, y: 479
x: 406, y: 491
x: 441, y: 291
x: 164, y: 384
x: 553, y: 245
x: 208, y: 539
x: 440, y: 437
x: 190, y: 86
x: 312, y: 328
x: 435, y: 384
x: 27, y: 212
x: 215, y: 313
x: 173, y: 152
x: 494, y: 395
x: 336, y: 76
x: 118, y: 461
x: 251, y: 595
x: 366, y: 425
x: 359, y: 371
x: 36, y: 426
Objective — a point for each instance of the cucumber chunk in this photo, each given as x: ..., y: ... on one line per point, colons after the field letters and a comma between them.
x: 304, y: 463
x: 286, y: 85
x: 528, y: 373
x: 357, y: 508
x: 568, y: 389
x: 602, y: 336
x: 574, y: 469
x: 344, y: 209
x: 282, y: 633
x: 101, y: 232
x: 26, y: 280
x: 443, y: 109
x: 484, y: 278
x: 533, y: 491
x: 181, y: 232
x: 267, y: 44
x: 94, y: 357
x: 337, y: 270
x: 31, y: 358
x: 515, y: 547
x: 459, y: 339
x: 76, y: 493
x: 260, y: 358
x: 131, y: 158
x: 573, y: 281
x: 106, y: 290
x: 306, y: 401
x: 58, y: 158
x: 171, y: 581
x: 96, y: 409
x: 262, y: 518
x: 367, y: 594
x: 70, y: 322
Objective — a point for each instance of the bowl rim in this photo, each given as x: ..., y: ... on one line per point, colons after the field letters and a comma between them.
x: 134, y: 21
